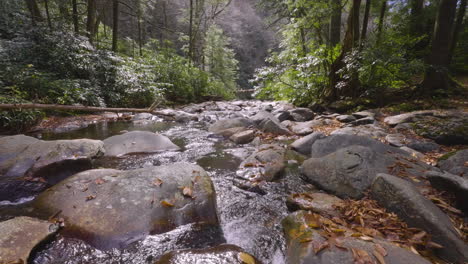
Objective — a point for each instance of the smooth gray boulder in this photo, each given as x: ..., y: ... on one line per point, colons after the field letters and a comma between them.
x: 406, y: 117
x: 335, y: 142
x: 346, y: 118
x: 349, y: 172
x: 363, y: 114
x: 20, y: 236
x: 273, y: 126
x: 303, y: 238
x: 111, y: 208
x: 223, y: 254
x: 243, y: 137
x: 283, y: 115
x: 363, y: 121
x: 423, y: 146
x: 453, y: 184
x: 304, y: 144
x: 320, y: 203
x: 142, y: 116
x: 261, y: 116
x: 402, y: 198
x: 137, y: 142
x: 265, y: 164
x: 456, y: 163
x: 396, y: 140
x: 224, y: 124
x: 371, y: 131
x: 302, y: 114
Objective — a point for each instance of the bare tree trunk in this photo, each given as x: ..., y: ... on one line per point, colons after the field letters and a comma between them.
x: 303, y: 41
x: 49, y: 21
x: 335, y: 23
x: 33, y: 8
x: 191, y: 31
x: 139, y: 17
x: 76, y: 25
x: 383, y: 10
x: 115, y: 24
x: 458, y: 27
x: 91, y: 20
x: 365, y: 22
x: 436, y: 76
x: 416, y: 23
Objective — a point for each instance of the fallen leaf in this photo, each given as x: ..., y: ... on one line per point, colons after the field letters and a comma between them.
x: 90, y: 197
x: 158, y: 182
x: 187, y: 191
x: 379, y: 257
x: 320, y: 246
x: 99, y: 181
x: 246, y: 258
x: 366, y: 238
x: 166, y: 203
x: 382, y: 251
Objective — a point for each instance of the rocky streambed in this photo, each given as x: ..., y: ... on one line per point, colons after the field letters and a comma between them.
x: 238, y: 182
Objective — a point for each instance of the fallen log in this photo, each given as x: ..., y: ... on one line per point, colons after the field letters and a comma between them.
x: 71, y: 108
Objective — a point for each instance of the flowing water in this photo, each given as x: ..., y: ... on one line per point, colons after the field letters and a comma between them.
x: 251, y: 220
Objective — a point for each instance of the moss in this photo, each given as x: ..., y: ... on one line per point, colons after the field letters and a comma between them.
x: 446, y: 156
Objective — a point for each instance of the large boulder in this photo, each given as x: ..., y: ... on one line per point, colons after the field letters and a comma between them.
x: 302, y: 114
x: 349, y: 172
x: 222, y: 254
x: 456, y: 163
x: 453, y: 184
x: 224, y: 124
x: 406, y: 117
x: 111, y: 208
x: 243, y: 137
x: 335, y: 142
x: 27, y: 164
x: 372, y: 131
x: 320, y: 203
x: 402, y: 198
x: 137, y: 142
x: 267, y: 163
x: 273, y: 126
x: 308, y: 243
x: 306, y: 128
x: 304, y: 144
x: 20, y: 236
x: 261, y: 116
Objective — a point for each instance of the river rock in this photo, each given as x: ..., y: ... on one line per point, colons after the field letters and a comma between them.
x: 453, y: 184
x: 334, y: 142
x: 302, y: 114
x: 349, y: 172
x: 111, y: 208
x: 243, y: 137
x: 303, y: 238
x: 137, y: 142
x: 402, y: 198
x: 304, y: 144
x: 321, y: 203
x: 142, y: 116
x: 283, y: 115
x: 363, y: 114
x: 261, y: 116
x: 306, y: 128
x: 19, y: 236
x: 224, y: 124
x: 372, y: 131
x: 396, y: 140
x: 346, y: 118
x: 267, y: 163
x: 273, y: 126
x: 222, y: 254
x: 424, y: 146
x: 363, y: 121
x: 406, y: 117
x: 457, y: 163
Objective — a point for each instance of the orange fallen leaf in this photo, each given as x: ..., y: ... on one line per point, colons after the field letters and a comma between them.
x: 379, y: 257
x: 166, y: 203
x: 187, y: 191
x: 90, y: 197
x: 99, y: 181
x: 158, y: 182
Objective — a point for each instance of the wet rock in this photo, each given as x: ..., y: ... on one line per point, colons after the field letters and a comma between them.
x: 272, y: 125
x: 227, y: 133
x: 396, y: 140
x: 363, y: 121
x: 142, y: 116
x: 349, y: 172
x: 346, y: 118
x: 456, y: 163
x: 452, y: 184
x: 175, y: 115
x: 267, y: 163
x: 304, y: 238
x: 19, y: 236
x: 222, y: 254
x: 401, y: 197
x: 302, y: 114
x: 423, y: 146
x: 137, y: 142
x: 321, y: 203
x: 334, y: 142
x: 111, y: 208
x: 221, y: 125
x: 304, y: 145
x: 243, y: 137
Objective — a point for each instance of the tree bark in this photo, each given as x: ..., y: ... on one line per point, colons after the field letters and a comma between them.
x: 115, y: 24
x: 458, y: 27
x: 76, y: 24
x: 191, y: 31
x: 49, y: 21
x: 33, y: 8
x: 139, y: 17
x: 436, y: 76
x: 365, y: 22
x: 383, y: 10
x: 91, y: 20
x: 416, y: 23
x: 335, y: 23
x: 63, y: 10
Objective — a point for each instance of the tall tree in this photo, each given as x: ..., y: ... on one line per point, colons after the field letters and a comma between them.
x: 335, y: 22
x: 115, y: 24
x: 91, y: 20
x: 76, y: 24
x: 49, y: 20
x: 436, y: 76
x: 33, y: 8
x: 458, y: 27
x: 416, y: 22
x: 365, y: 22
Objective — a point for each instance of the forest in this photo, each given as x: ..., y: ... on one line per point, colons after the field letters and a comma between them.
x: 233, y: 131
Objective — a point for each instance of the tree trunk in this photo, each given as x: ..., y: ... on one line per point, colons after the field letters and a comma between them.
x: 91, y: 20
x: 335, y: 23
x: 458, y: 28
x: 383, y: 10
x: 191, y: 31
x: 139, y: 17
x: 49, y: 21
x: 115, y: 24
x: 76, y: 25
x: 33, y: 8
x: 63, y: 9
x: 416, y: 23
x: 365, y: 22
x: 351, y: 41
x: 436, y: 76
